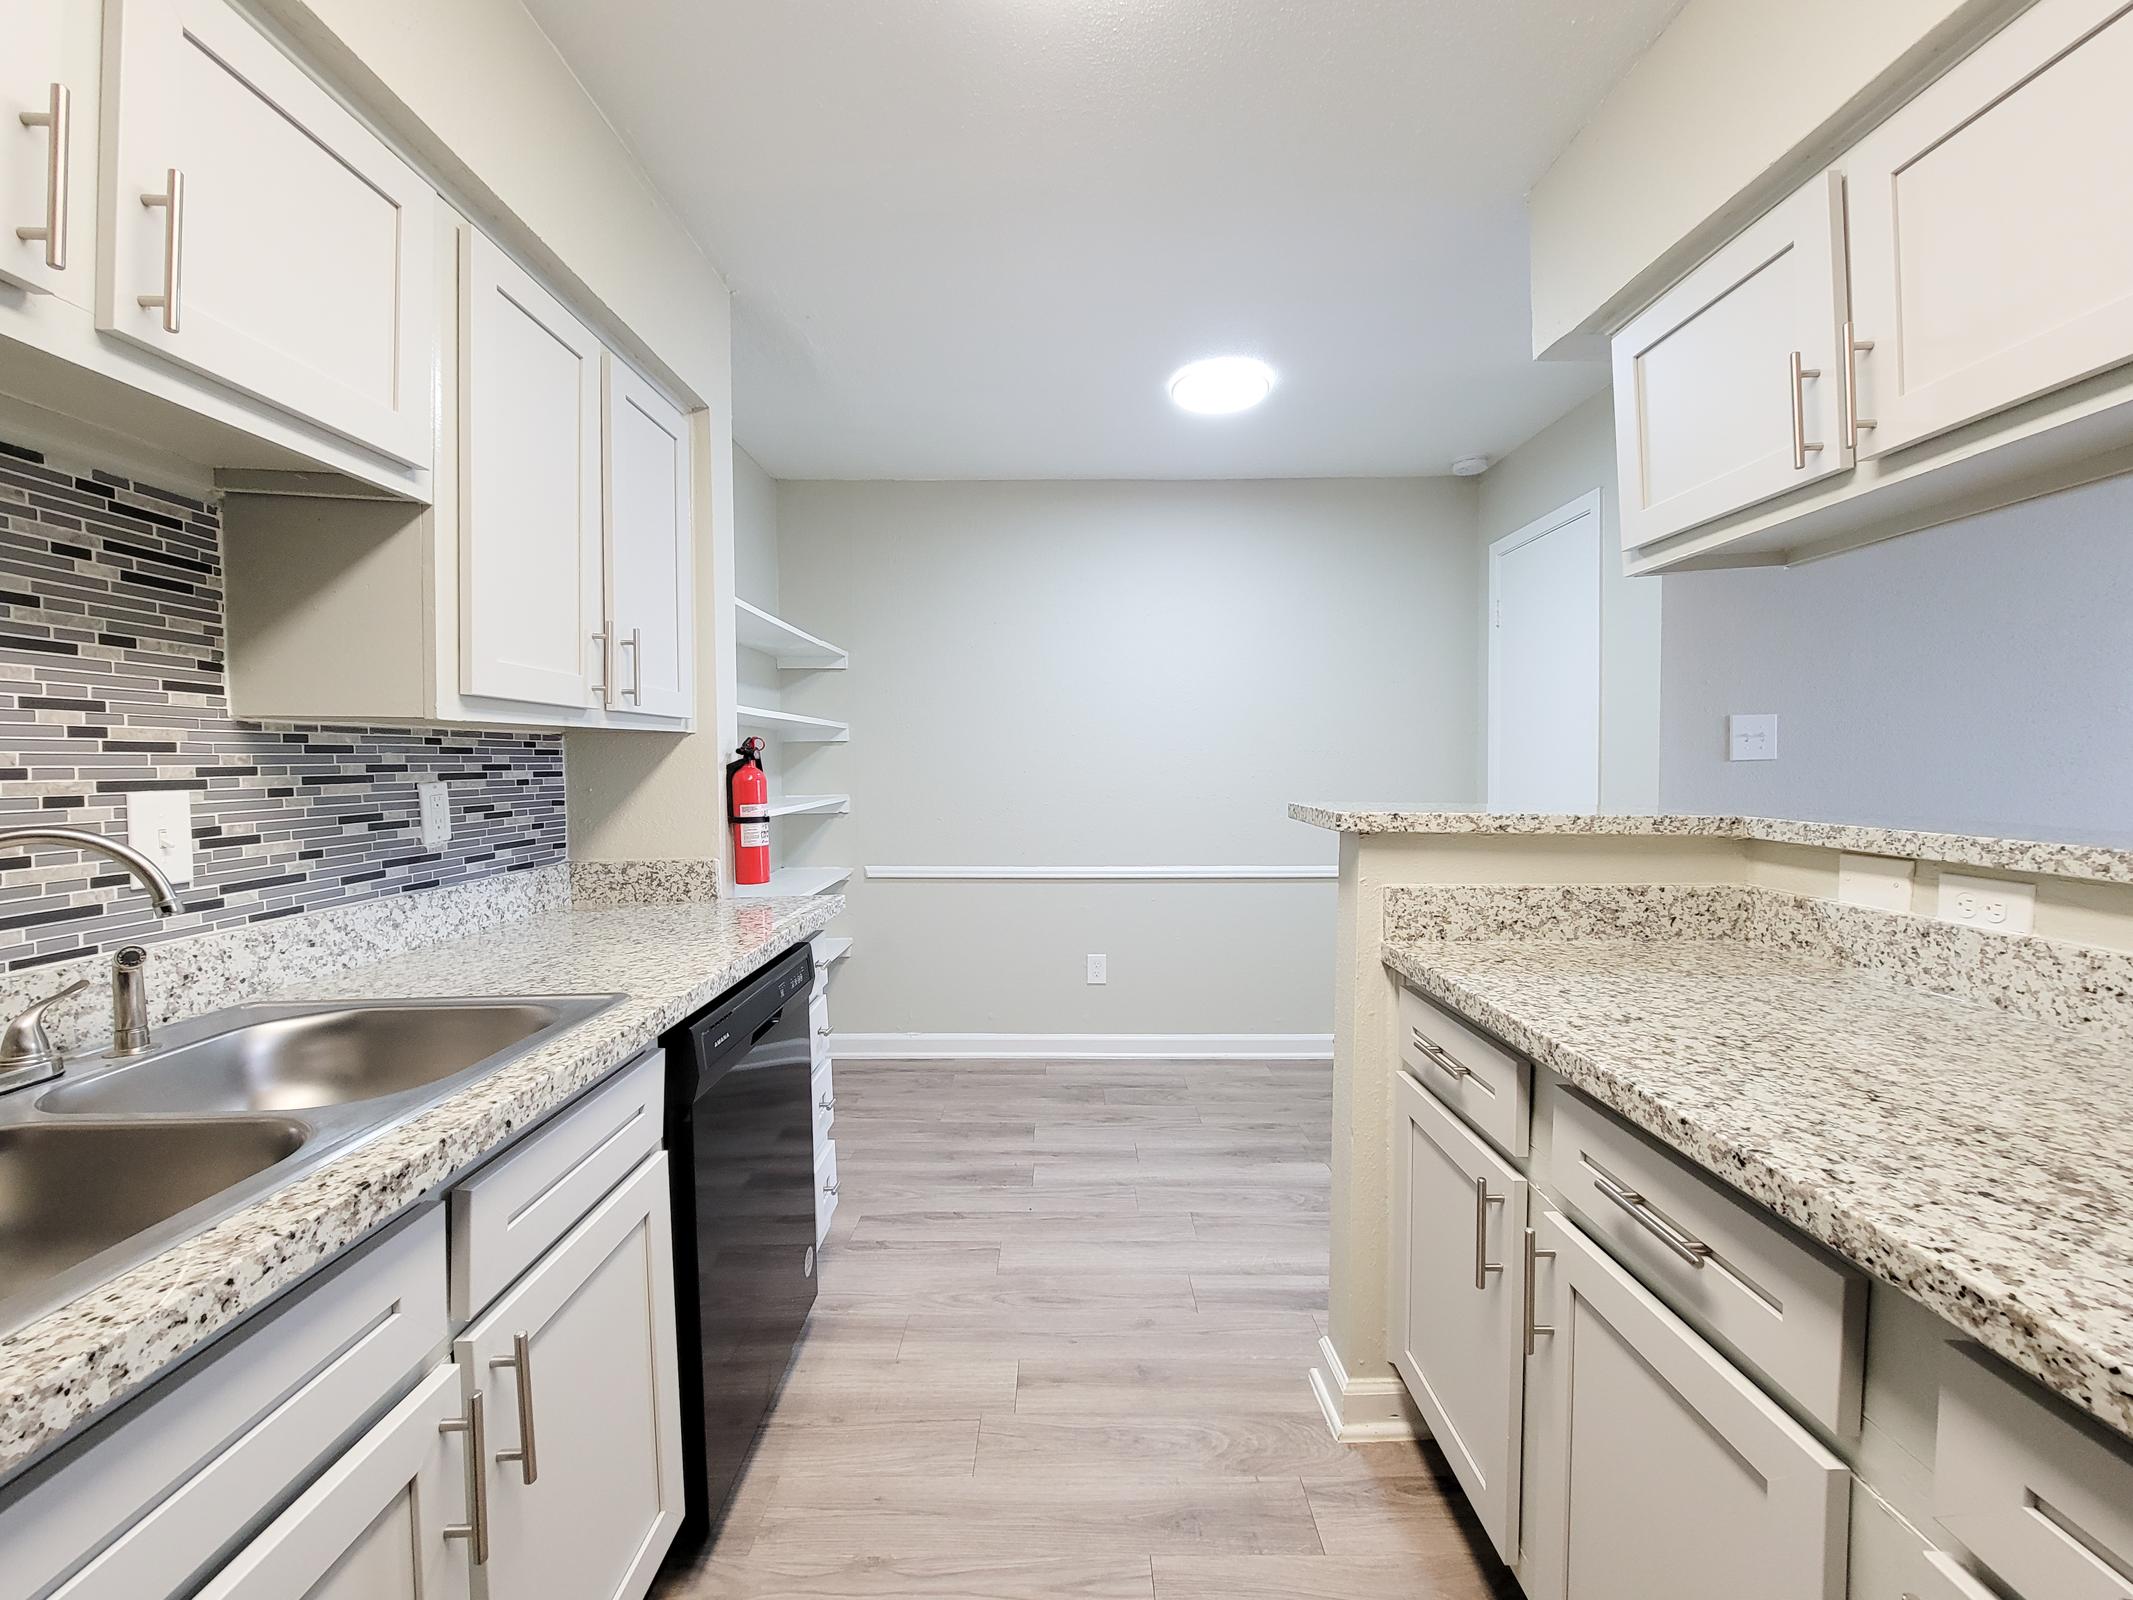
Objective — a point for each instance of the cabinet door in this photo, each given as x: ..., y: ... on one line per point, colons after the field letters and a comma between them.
x: 1457, y: 1297
x: 37, y: 157
x: 376, y: 1525
x: 287, y: 250
x: 1727, y: 388
x: 650, y: 534
x: 1992, y: 234
x: 529, y: 487
x: 1655, y: 1470
x: 584, y: 1423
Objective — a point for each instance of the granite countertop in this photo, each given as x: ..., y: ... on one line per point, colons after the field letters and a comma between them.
x: 2097, y: 862
x: 666, y: 961
x: 1974, y: 1159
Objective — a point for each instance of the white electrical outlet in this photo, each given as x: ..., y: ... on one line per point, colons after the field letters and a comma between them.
x: 159, y: 824
x: 1099, y: 969
x: 1875, y: 881
x: 1997, y: 905
x: 436, y: 803
x: 1752, y: 736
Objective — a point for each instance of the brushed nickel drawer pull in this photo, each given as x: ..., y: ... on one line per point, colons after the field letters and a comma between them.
x: 600, y: 655
x: 1534, y: 1255
x: 520, y: 1361
x: 58, y: 175
x: 1801, y: 448
x: 1854, y: 424
x: 828, y: 1102
x: 476, y: 1528
x: 1483, y: 1266
x: 1440, y: 1058
x: 830, y: 1189
x: 1687, y: 1246
x: 634, y: 644
x: 172, y: 200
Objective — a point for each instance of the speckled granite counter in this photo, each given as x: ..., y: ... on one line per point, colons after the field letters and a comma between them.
x: 666, y: 961
x: 1978, y: 1160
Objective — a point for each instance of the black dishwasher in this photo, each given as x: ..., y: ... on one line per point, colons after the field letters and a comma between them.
x: 741, y: 1153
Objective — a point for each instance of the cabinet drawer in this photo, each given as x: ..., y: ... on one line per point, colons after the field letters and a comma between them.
x: 1939, y: 1578
x: 1780, y: 1303
x: 825, y: 1188
x: 824, y: 1089
x: 2041, y: 1496
x: 818, y: 1025
x: 1489, y: 1086
x: 213, y: 1450
x: 513, y: 1209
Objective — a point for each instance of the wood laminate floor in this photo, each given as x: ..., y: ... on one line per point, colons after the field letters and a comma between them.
x: 1060, y: 1354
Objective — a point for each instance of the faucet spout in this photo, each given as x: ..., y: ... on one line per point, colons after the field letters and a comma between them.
x: 161, y: 892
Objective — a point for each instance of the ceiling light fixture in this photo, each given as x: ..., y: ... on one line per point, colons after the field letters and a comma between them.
x: 1221, y: 385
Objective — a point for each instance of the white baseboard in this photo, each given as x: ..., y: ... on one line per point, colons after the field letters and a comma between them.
x: 1082, y: 1046
x: 1363, y: 1410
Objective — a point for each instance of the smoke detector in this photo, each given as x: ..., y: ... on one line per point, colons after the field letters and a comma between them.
x: 1470, y: 466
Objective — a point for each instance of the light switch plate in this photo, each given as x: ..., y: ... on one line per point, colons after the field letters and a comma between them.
x: 1877, y: 881
x: 1752, y: 736
x: 1998, y: 905
x: 436, y: 804
x: 159, y: 824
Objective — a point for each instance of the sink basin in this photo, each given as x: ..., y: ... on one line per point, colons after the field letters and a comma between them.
x: 72, y: 1191
x: 324, y: 1057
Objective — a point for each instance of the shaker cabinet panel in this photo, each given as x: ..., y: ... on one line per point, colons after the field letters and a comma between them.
x: 1991, y: 234
x: 254, y: 231
x: 38, y: 157
x: 1727, y: 388
x: 529, y: 485
x: 649, y: 538
x: 1655, y: 1470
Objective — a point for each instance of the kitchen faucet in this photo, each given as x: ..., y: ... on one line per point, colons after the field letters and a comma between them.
x: 27, y: 1053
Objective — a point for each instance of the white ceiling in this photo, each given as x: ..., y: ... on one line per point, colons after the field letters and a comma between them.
x: 973, y: 238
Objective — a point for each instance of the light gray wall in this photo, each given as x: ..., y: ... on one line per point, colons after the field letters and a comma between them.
x: 1569, y: 458
x: 1976, y: 678
x: 755, y: 570
x: 1119, y: 674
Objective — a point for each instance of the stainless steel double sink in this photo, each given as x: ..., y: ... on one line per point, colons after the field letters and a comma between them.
x: 114, y: 1161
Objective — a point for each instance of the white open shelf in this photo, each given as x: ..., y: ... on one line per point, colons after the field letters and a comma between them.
x: 790, y: 725
x: 795, y: 880
x: 812, y: 805
x: 789, y: 646
x: 831, y: 949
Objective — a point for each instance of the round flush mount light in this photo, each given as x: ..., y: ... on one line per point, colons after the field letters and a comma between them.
x: 1221, y: 385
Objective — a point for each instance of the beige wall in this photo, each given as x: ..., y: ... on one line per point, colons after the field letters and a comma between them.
x: 1118, y: 674
x: 1733, y: 104
x: 1565, y: 460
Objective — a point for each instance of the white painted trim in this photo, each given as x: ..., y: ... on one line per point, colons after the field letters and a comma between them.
x: 1587, y: 504
x: 1081, y: 1046
x: 1170, y: 874
x: 1362, y: 1410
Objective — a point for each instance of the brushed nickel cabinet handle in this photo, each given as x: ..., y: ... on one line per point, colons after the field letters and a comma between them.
x: 828, y: 1102
x: 829, y: 1189
x: 172, y: 200
x: 1534, y: 1256
x: 1687, y: 1246
x: 520, y: 1363
x: 475, y: 1530
x: 1801, y: 447
x: 58, y: 174
x: 1440, y: 1058
x: 1483, y: 1266
x: 634, y: 644
x: 1854, y: 424
x: 599, y: 640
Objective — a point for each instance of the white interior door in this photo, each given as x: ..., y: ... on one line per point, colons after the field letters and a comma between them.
x: 529, y: 488
x: 1992, y: 226
x: 650, y: 533
x: 292, y: 258
x: 1544, y: 663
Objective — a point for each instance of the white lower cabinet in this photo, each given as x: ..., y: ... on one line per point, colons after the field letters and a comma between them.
x: 1457, y: 1291
x: 1656, y: 1471
x: 578, y: 1365
x: 391, y: 1520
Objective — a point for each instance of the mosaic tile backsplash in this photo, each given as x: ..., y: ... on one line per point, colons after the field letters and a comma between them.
x: 111, y: 682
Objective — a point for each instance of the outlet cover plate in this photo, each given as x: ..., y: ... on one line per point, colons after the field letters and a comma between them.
x: 436, y: 803
x: 1877, y: 881
x: 159, y: 824
x: 1099, y: 969
x: 1998, y: 905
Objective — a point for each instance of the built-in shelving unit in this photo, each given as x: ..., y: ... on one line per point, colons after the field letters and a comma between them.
x: 812, y: 805
x: 795, y: 880
x: 791, y: 726
x: 794, y: 649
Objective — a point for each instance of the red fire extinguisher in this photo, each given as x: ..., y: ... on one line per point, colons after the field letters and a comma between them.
x: 748, y: 807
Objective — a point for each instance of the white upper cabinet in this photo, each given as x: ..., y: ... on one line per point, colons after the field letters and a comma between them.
x: 1992, y: 227
x: 650, y: 532
x: 529, y: 489
x: 1728, y: 388
x: 39, y: 144
x: 254, y: 231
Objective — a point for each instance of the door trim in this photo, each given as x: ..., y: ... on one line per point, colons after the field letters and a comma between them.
x: 1588, y: 503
